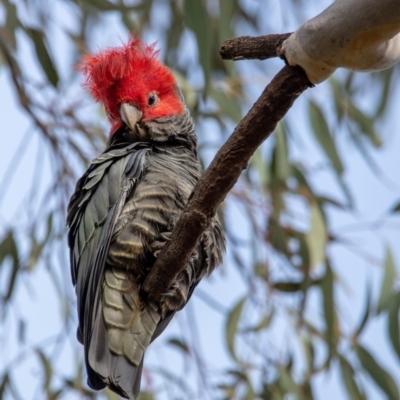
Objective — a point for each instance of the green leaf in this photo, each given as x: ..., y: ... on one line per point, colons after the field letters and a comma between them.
x: 180, y: 344
x: 21, y: 332
x: 323, y: 136
x: 232, y: 326
x: 394, y: 322
x: 288, y: 287
x: 4, y: 383
x: 287, y: 383
x: 396, y: 208
x: 309, y: 352
x: 227, y: 10
x: 250, y: 394
x: 365, y: 124
x: 377, y: 373
x: 277, y: 236
x: 317, y: 236
x: 257, y: 161
x: 226, y: 14
x: 47, y: 368
x: 8, y: 31
x: 8, y: 248
x: 386, y: 78
x: 347, y: 373
x: 282, y: 167
x: 110, y: 395
x: 264, y: 323
x: 329, y: 307
x: 367, y: 310
x: 143, y: 396
x: 43, y: 55
x: 387, y: 283
x: 227, y: 105
x: 198, y: 20
x: 187, y: 90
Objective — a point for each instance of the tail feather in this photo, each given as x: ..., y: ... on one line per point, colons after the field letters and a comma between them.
x: 108, y: 369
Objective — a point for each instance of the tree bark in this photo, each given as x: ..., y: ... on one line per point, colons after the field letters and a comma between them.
x: 248, y: 47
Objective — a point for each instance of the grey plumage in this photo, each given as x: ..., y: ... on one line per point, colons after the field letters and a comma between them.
x: 129, y: 196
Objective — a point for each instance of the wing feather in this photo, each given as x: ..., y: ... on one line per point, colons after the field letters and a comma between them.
x: 93, y: 212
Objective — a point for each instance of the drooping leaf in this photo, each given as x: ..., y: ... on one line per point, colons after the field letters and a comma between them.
x: 394, y: 322
x: 350, y: 384
x: 262, y: 168
x: 180, y: 344
x: 396, y: 208
x: 249, y: 394
x: 377, y: 373
x: 264, y: 323
x: 8, y: 249
x: 309, y: 352
x: 287, y: 383
x: 367, y: 310
x: 113, y: 396
x: 198, y: 20
x: 43, y: 55
x: 8, y: 32
x: 21, y: 331
x: 288, y: 287
x: 317, y: 236
x: 277, y: 236
x: 4, y: 383
x: 387, y: 282
x: 282, y: 167
x: 226, y: 12
x: 329, y: 307
x: 365, y: 124
x: 227, y: 105
x: 322, y: 134
x: 47, y: 368
x: 386, y: 77
x: 232, y: 323
x: 188, y: 92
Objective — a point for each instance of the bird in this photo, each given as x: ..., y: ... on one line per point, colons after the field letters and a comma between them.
x: 124, y: 209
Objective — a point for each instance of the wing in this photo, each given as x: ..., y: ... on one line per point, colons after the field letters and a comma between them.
x: 92, y: 215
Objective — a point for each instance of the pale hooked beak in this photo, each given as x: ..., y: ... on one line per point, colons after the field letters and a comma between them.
x: 130, y: 115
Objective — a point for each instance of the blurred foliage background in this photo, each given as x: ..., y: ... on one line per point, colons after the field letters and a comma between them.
x: 309, y: 269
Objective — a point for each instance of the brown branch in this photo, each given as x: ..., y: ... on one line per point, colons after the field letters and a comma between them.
x: 222, y: 174
x: 247, y: 47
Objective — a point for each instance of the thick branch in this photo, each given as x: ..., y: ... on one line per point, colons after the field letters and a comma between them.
x: 247, y: 47
x: 362, y: 35
x: 222, y: 174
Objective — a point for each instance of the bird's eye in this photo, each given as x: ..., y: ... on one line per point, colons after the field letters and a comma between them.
x: 152, y: 100
x: 112, y: 116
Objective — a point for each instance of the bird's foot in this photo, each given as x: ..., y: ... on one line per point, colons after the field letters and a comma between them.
x: 159, y: 244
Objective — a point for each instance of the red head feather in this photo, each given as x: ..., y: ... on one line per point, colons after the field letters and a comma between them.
x: 130, y: 74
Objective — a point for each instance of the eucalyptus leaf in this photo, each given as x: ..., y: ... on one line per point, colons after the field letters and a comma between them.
x: 387, y: 282
x: 378, y: 374
x: 317, y: 236
x: 329, y: 307
x: 38, y: 38
x: 347, y: 374
x: 394, y: 323
x: 231, y: 328
x: 322, y: 134
x: 180, y: 344
x: 197, y: 19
